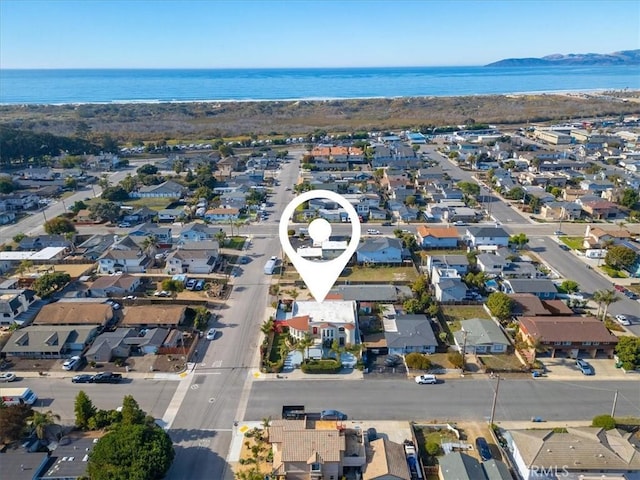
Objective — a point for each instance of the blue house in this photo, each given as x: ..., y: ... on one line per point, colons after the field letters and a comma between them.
x: 380, y: 250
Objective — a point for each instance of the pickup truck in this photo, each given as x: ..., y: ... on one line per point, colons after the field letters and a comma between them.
x: 107, y: 377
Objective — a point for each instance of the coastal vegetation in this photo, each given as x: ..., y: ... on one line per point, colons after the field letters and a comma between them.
x: 91, y: 127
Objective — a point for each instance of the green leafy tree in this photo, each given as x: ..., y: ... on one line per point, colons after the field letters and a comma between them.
x: 500, y: 305
x: 84, y: 410
x: 39, y: 422
x: 115, y: 194
x: 628, y: 352
x: 128, y: 183
x: 147, y: 169
x: 13, y: 419
x: 132, y: 414
x: 18, y: 237
x: 225, y: 150
x: 516, y: 193
x: 71, y: 183
x: 470, y: 189
x: 109, y: 211
x: 59, y: 226
x: 569, y: 286
x: 104, y: 419
x: 77, y: 206
x: 173, y: 286
x: 109, y: 144
x: 7, y: 185
x: 132, y: 451
x: 420, y: 285
x: 519, y: 240
x: 630, y: 197
x: 201, y: 318
x: 50, y: 282
x: 620, y: 257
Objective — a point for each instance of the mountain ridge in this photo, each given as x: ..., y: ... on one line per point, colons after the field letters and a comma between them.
x: 623, y: 57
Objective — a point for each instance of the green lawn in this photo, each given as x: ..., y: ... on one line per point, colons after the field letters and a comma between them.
x: 235, y: 243
x: 453, y: 313
x: 613, y: 272
x: 379, y: 274
x: 151, y: 202
x: 574, y: 243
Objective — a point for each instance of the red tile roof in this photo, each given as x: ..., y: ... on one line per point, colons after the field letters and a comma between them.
x: 299, y: 323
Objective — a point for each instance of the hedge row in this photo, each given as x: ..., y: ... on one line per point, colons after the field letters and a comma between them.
x: 321, y: 366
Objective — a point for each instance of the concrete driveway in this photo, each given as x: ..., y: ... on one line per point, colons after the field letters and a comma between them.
x: 566, y: 369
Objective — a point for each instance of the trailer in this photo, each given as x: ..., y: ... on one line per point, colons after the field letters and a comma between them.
x: 18, y: 396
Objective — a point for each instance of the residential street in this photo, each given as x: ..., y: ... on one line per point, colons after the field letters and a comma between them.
x: 201, y: 408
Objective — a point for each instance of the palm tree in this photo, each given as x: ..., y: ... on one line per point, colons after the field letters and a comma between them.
x: 304, y: 344
x: 604, y: 297
x: 268, y: 326
x: 24, y: 266
x: 221, y: 235
x: 608, y: 297
x: 39, y: 422
x: 150, y: 245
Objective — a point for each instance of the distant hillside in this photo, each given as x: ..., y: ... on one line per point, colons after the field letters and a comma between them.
x: 626, y: 57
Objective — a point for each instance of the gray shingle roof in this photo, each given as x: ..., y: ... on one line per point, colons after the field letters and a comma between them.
x: 493, y: 232
x: 413, y: 331
x: 460, y: 466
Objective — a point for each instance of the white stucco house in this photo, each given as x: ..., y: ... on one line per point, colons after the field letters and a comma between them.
x: 325, y: 322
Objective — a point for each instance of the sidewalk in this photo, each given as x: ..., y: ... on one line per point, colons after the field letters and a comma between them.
x: 138, y: 375
x: 298, y: 374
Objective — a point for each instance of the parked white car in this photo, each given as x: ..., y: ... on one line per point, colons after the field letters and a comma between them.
x: 622, y: 320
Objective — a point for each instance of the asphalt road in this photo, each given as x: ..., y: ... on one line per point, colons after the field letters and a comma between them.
x: 220, y: 388
x: 34, y: 223
x: 463, y: 399
x: 58, y: 394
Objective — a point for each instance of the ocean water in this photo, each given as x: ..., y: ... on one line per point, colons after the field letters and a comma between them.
x: 185, y: 85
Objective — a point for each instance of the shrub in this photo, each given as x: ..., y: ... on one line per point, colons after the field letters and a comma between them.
x: 455, y: 359
x: 433, y: 448
x: 604, y: 421
x: 418, y: 361
x: 321, y: 366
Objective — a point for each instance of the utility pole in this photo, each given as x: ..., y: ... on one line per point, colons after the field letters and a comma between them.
x: 615, y: 401
x: 464, y: 347
x: 495, y: 401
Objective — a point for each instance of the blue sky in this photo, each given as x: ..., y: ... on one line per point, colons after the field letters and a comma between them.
x: 297, y: 33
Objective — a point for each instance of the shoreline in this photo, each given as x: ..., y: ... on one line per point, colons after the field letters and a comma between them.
x: 589, y: 91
